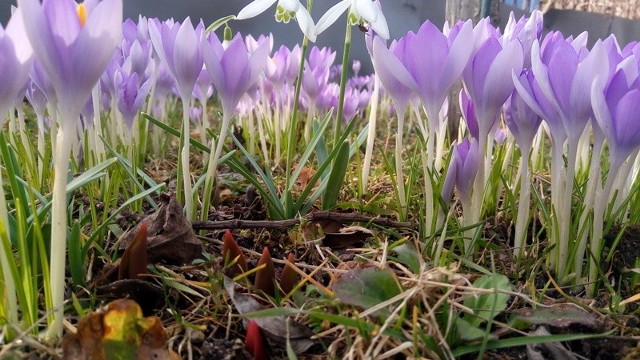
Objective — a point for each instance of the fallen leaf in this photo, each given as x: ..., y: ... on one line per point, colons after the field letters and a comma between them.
x: 559, y: 316
x: 147, y: 294
x: 346, y: 237
x: 274, y: 327
x: 117, y: 331
x: 170, y: 236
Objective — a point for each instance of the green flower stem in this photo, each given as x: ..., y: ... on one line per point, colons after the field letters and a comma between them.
x: 599, y: 209
x: 59, y: 225
x: 343, y: 82
x: 592, y: 186
x: 10, y: 305
x: 216, y: 150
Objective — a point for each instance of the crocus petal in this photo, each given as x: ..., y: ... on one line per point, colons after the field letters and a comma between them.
x: 393, y: 75
x: 458, y: 57
x: 187, y: 59
x: 254, y: 8
x: 332, y: 15
x: 601, y: 110
x: 626, y: 124
x: 499, y: 84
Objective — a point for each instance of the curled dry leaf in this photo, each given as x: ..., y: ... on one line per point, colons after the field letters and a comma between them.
x: 133, y: 262
x: 118, y: 331
x: 170, y: 236
x: 274, y: 327
x: 346, y: 237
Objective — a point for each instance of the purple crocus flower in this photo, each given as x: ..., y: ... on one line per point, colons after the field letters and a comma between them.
x: 16, y: 58
x: 179, y: 46
x: 394, y: 75
x: 521, y: 120
x: 469, y: 114
x: 74, y: 44
x: 233, y: 70
x: 488, y: 83
x: 463, y: 168
x: 73, y: 50
x: 435, y: 68
x: 617, y: 110
x: 130, y: 97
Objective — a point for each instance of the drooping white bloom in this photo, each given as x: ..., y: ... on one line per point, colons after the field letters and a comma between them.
x: 360, y: 11
x: 285, y: 11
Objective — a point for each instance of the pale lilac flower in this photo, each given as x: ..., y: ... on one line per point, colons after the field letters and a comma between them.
x: 73, y: 51
x: 233, y: 70
x: 521, y: 120
x: 487, y: 80
x: 180, y: 46
x: 463, y: 168
x: 130, y: 96
x: 16, y: 56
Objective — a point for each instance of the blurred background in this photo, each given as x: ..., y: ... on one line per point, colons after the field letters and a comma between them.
x: 599, y: 17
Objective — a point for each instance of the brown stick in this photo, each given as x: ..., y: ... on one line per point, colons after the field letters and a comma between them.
x: 313, y: 217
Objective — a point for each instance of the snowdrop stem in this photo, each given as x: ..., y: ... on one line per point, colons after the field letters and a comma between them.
x: 293, y: 123
x: 343, y: 82
x: 371, y: 135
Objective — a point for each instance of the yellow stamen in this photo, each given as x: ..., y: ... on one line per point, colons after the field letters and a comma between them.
x: 81, y: 9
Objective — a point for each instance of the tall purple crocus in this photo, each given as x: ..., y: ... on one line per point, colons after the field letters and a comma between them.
x: 617, y: 111
x: 233, y: 71
x: 74, y: 44
x: 465, y: 162
x: 179, y: 46
x: 130, y: 97
x: 401, y: 86
x: 436, y: 67
x: 16, y: 56
x: 523, y: 123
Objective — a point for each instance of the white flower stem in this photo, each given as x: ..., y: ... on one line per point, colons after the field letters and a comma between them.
x: 59, y: 226
x: 399, y: 172
x: 522, y: 220
x: 371, y: 134
x: 184, y: 157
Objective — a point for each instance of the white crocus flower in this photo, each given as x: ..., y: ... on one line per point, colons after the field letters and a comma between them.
x: 360, y: 12
x: 285, y: 11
